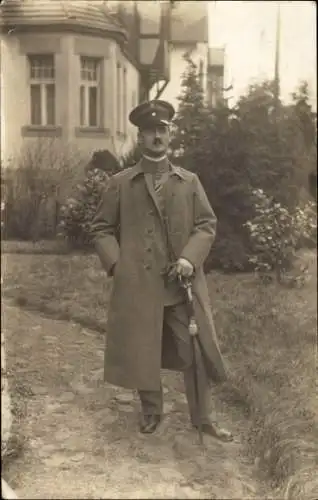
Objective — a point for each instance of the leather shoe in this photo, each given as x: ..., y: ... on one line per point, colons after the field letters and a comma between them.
x: 212, y: 429
x: 149, y: 423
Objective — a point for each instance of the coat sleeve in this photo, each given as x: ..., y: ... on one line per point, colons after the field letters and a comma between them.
x: 204, y: 230
x: 105, y: 225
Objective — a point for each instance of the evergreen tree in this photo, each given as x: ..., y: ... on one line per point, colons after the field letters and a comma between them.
x: 235, y: 151
x: 305, y: 115
x: 270, y: 143
x: 305, y: 133
x: 190, y: 118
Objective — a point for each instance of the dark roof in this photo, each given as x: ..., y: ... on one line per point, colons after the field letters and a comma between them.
x: 189, y: 22
x: 51, y: 12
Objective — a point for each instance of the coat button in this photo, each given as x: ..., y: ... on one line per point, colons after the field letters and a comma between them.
x: 151, y: 212
x: 149, y: 231
x: 147, y: 266
x: 148, y: 249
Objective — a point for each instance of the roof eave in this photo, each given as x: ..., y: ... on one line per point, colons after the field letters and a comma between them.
x: 187, y: 41
x: 119, y: 35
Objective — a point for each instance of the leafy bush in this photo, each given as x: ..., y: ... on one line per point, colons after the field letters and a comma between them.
x: 37, y: 182
x: 105, y: 161
x: 260, y: 143
x: 77, y: 213
x: 229, y: 252
x: 277, y: 233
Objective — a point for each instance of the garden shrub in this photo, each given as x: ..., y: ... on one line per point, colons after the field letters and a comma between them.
x: 258, y: 144
x: 37, y: 182
x: 277, y: 233
x: 105, y: 161
x: 77, y: 212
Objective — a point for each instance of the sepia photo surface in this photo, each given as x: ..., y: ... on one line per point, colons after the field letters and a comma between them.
x: 158, y: 249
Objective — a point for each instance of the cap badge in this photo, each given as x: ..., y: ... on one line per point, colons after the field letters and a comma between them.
x: 153, y: 114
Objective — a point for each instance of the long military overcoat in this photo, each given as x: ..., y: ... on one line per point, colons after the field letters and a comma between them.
x: 127, y: 231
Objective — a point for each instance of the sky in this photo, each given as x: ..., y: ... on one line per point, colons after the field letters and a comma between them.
x: 247, y: 30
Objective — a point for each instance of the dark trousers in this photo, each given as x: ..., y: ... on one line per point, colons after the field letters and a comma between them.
x: 176, y: 318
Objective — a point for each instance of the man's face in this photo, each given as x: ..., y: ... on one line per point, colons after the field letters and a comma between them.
x: 155, y: 139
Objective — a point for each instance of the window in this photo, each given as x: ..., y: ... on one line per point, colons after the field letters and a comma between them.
x: 90, y: 92
x: 42, y: 90
x: 217, y: 82
x: 215, y: 89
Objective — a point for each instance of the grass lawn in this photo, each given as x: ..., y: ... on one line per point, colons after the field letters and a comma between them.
x: 267, y: 332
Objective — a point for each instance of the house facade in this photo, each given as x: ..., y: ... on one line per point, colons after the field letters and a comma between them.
x: 215, y: 76
x: 188, y: 35
x: 72, y: 71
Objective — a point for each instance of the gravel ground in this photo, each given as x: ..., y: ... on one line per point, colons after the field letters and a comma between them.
x: 81, y: 435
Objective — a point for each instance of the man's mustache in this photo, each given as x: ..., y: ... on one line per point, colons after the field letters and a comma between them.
x: 157, y: 141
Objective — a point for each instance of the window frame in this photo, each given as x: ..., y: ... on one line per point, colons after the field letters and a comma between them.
x: 84, y: 86
x: 42, y: 82
x: 216, y: 81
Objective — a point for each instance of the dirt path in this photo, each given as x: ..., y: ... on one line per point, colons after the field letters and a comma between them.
x: 82, y: 438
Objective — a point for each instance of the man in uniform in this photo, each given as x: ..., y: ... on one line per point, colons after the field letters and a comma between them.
x: 154, y: 222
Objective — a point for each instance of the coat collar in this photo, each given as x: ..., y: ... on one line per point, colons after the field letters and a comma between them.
x: 137, y: 170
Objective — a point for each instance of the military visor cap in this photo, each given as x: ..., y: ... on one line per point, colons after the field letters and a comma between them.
x: 151, y: 113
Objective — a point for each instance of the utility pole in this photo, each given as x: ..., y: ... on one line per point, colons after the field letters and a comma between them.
x: 277, y: 61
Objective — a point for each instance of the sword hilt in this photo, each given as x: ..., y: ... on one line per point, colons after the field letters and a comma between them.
x: 187, y: 285
x: 193, y: 327
x: 185, y: 282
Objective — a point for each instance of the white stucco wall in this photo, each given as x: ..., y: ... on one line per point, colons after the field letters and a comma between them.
x: 123, y: 145
x: 15, y: 94
x: 177, y: 67
x: 13, y: 97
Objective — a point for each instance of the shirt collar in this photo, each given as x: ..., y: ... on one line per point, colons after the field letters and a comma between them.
x: 174, y: 170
